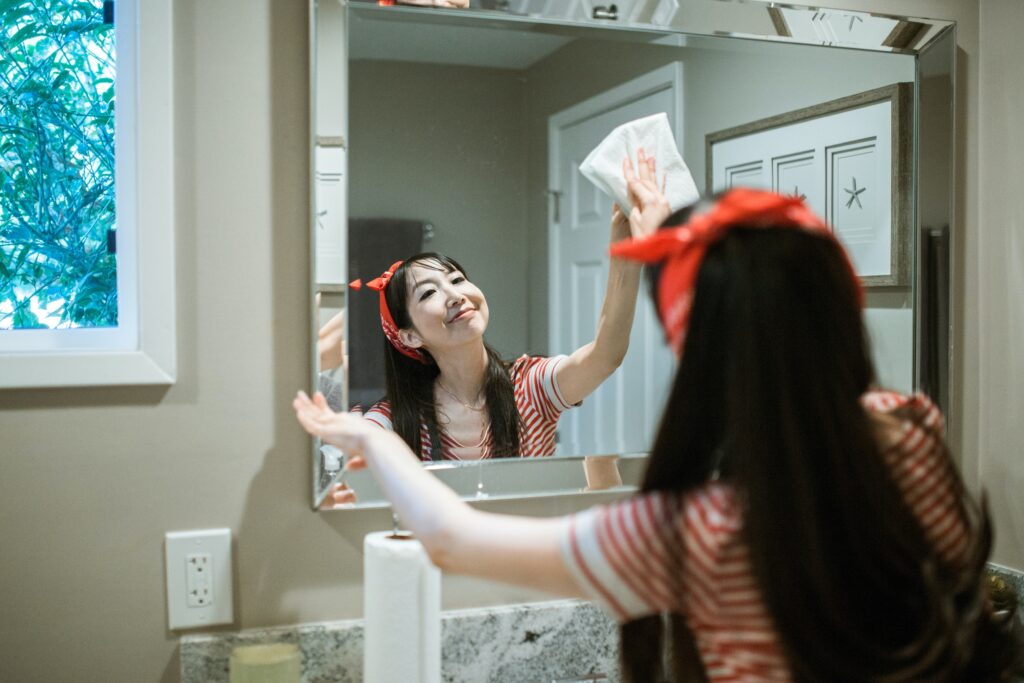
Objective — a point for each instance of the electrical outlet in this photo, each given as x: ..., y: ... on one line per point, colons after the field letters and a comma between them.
x: 198, y: 567
x: 199, y: 578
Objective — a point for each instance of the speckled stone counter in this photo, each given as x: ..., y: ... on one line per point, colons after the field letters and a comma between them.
x: 532, y: 643
x: 1014, y: 579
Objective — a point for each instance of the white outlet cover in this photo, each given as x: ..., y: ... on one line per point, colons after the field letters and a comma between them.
x: 180, y: 548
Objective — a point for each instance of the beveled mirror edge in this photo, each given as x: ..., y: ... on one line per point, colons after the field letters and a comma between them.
x: 929, y: 32
x: 311, y: 306
x: 475, y: 483
x: 538, y: 495
x: 937, y: 190
x: 939, y: 49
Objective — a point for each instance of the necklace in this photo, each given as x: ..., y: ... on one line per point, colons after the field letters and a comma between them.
x: 459, y: 400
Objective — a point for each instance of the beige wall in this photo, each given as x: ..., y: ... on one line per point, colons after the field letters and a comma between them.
x: 91, y: 478
x: 445, y: 144
x: 998, y: 307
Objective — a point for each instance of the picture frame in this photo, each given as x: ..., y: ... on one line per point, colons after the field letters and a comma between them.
x: 849, y: 158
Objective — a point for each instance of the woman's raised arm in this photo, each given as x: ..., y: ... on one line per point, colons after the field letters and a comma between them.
x: 590, y: 365
x: 520, y: 551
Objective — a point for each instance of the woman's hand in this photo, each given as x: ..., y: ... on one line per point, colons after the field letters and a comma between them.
x: 330, y: 342
x: 345, y: 431
x: 584, y: 370
x: 620, y: 224
x: 354, y: 434
x: 339, y: 496
x: 458, y: 539
x: 650, y: 207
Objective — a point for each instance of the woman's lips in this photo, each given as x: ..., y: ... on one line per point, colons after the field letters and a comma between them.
x: 462, y: 315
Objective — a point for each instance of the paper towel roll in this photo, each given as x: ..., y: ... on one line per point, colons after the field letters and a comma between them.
x: 401, y: 611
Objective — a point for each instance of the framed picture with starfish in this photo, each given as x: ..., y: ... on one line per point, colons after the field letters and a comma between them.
x: 848, y: 158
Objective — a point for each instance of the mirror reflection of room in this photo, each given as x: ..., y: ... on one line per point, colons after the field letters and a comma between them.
x: 433, y: 319
x: 454, y: 151
x: 474, y: 153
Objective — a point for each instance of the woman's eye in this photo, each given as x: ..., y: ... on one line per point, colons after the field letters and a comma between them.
x: 425, y: 295
x: 458, y: 279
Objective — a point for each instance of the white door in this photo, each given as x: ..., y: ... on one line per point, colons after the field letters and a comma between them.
x: 622, y: 415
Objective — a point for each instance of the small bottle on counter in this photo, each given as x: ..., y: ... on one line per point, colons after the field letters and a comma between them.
x: 269, y: 663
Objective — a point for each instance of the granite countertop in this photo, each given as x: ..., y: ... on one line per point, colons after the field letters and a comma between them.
x: 537, y: 642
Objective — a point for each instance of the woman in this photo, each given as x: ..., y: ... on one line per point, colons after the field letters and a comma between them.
x: 793, y: 523
x: 451, y: 396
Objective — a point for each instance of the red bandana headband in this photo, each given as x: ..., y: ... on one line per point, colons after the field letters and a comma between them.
x: 682, y: 248
x: 386, y: 321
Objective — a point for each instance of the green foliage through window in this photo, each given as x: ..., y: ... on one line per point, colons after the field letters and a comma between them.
x: 57, y: 263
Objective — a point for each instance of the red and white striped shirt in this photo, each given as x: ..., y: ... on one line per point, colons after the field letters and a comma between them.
x: 538, y: 399
x: 620, y: 554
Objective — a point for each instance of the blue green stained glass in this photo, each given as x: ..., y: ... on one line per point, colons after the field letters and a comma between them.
x: 58, y: 267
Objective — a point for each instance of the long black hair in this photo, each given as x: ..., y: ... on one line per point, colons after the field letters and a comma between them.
x: 767, y: 395
x: 410, y: 384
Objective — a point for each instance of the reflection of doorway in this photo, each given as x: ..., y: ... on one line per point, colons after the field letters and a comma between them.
x: 622, y: 415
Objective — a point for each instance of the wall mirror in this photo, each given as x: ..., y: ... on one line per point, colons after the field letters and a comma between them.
x: 460, y: 131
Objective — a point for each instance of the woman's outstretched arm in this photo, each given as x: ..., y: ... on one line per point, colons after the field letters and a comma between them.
x: 591, y: 364
x: 522, y: 551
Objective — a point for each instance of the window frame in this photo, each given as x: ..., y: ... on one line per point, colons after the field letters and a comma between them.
x: 142, y: 350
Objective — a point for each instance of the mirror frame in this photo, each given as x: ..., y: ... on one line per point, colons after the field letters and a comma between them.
x: 931, y: 42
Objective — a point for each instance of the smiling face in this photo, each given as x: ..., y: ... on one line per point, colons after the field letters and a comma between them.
x: 445, y: 308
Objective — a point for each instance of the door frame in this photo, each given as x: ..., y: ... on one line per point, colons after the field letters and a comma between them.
x: 669, y: 76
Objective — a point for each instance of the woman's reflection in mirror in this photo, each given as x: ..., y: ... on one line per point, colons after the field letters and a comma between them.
x: 450, y: 396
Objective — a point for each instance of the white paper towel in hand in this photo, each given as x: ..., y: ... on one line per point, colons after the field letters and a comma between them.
x: 401, y: 612
x: 603, y: 166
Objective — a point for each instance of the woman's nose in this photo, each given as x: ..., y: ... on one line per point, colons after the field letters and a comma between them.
x: 455, y: 298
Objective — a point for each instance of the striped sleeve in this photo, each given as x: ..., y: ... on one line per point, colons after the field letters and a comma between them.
x: 915, y: 450
x: 380, y: 414
x: 620, y: 555
x: 540, y: 384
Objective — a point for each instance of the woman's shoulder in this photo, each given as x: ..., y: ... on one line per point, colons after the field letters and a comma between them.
x: 910, y: 431
x: 713, y: 506
x: 898, y: 416
x: 536, y: 381
x: 381, y: 406
x: 526, y: 364
x: 623, y: 553
x: 526, y: 361
x: 380, y: 413
x: 912, y: 406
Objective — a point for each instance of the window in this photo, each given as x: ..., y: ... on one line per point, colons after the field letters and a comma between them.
x: 58, y: 242
x: 86, y: 194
